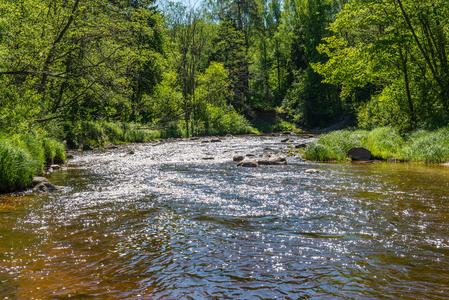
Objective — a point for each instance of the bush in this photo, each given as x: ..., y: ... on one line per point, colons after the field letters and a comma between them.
x: 384, y: 143
x: 429, y: 147
x: 334, y: 145
x: 16, y: 167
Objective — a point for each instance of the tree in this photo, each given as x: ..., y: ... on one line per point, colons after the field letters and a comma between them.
x: 79, y: 57
x: 401, y: 48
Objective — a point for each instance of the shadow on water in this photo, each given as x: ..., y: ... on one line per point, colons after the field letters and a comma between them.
x: 164, y: 224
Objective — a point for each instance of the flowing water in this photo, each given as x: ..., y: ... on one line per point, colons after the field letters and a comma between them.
x: 162, y: 223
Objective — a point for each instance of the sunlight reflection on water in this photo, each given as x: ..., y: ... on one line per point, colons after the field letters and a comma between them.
x: 164, y: 224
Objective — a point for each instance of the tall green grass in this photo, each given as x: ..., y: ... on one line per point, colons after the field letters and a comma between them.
x: 96, y: 133
x: 22, y: 157
x: 16, y: 167
x: 384, y: 143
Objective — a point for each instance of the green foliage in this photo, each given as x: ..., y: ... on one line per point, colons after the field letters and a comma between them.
x: 429, y: 147
x: 400, y: 47
x: 334, y: 145
x: 34, y: 145
x: 102, y: 133
x: 22, y: 156
x: 54, y: 151
x: 384, y: 143
x: 16, y: 168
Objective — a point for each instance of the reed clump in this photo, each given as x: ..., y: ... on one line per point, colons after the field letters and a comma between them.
x: 100, y: 133
x: 385, y: 143
x: 22, y: 157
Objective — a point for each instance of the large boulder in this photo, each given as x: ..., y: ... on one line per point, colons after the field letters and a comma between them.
x: 43, y: 185
x: 359, y: 154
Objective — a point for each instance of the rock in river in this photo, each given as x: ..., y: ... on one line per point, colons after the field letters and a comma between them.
x: 273, y: 161
x: 238, y: 157
x: 312, y: 171
x: 248, y: 163
x: 287, y: 140
x: 359, y: 153
x: 42, y: 185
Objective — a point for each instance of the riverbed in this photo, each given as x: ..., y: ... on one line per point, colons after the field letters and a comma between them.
x: 157, y: 221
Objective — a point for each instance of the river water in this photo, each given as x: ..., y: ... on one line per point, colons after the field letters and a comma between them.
x: 162, y: 223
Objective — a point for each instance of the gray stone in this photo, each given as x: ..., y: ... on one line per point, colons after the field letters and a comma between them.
x: 312, y: 171
x: 287, y: 140
x: 248, y: 163
x: 238, y: 157
x: 359, y: 154
x: 300, y: 146
x: 55, y: 167
x: 273, y: 161
x: 43, y: 185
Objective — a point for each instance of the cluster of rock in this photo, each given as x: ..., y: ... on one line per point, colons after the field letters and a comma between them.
x: 255, y: 163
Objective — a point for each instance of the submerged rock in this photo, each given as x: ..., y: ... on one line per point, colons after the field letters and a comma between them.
x: 359, y: 154
x: 300, y: 146
x: 208, y: 158
x: 287, y: 140
x: 312, y: 171
x: 238, y: 157
x: 248, y: 163
x: 273, y: 161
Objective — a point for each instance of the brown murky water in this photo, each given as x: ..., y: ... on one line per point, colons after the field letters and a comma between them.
x: 164, y: 224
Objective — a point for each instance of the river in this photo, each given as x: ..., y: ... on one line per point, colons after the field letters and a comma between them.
x: 158, y: 222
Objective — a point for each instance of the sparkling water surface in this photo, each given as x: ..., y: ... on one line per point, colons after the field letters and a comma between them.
x: 162, y: 223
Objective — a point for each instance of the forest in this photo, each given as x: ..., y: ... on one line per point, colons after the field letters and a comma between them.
x: 110, y: 71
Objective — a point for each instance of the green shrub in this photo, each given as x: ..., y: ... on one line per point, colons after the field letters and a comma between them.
x: 54, y: 151
x: 16, y: 167
x: 384, y: 142
x: 33, y: 144
x: 92, y: 134
x: 429, y: 147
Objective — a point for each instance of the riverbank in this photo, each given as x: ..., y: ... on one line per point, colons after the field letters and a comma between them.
x: 25, y: 156
x: 385, y: 143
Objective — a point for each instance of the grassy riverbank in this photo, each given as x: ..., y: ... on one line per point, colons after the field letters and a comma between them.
x: 384, y: 143
x: 24, y: 156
